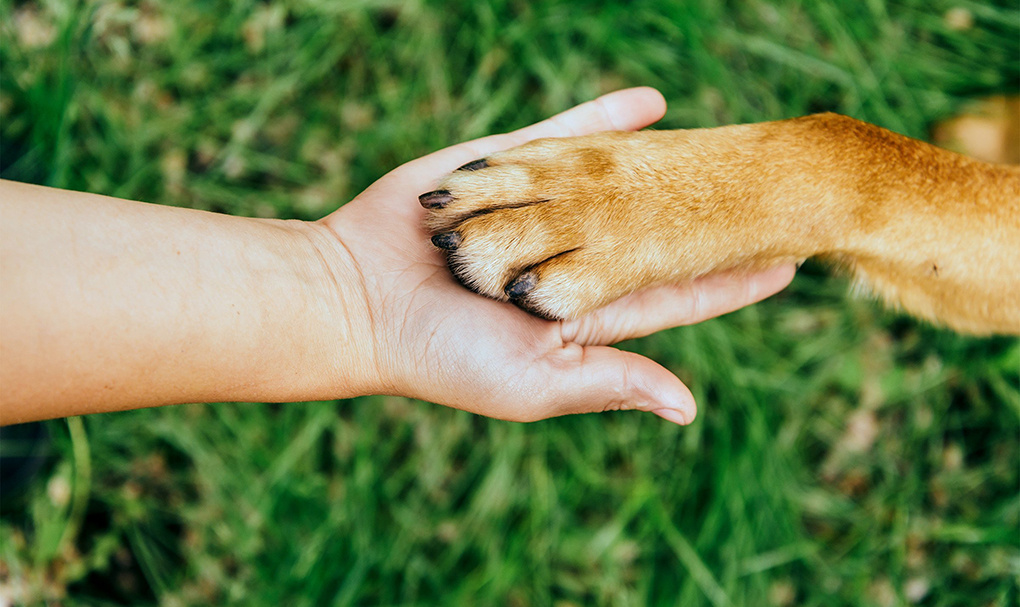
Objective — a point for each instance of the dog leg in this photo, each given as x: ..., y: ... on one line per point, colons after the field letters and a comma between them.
x: 563, y: 226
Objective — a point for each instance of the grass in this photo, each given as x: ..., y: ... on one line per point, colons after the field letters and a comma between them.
x: 843, y: 455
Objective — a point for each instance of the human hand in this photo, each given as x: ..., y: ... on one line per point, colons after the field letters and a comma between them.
x: 430, y: 338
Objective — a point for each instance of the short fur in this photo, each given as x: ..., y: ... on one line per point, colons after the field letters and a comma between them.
x: 564, y: 226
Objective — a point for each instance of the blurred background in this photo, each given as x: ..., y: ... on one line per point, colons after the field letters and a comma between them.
x: 843, y: 455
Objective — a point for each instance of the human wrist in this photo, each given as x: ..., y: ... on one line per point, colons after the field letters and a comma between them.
x: 330, y: 312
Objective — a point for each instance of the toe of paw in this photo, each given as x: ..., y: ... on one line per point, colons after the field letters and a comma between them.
x: 476, y: 277
x: 539, y: 297
x: 479, y: 184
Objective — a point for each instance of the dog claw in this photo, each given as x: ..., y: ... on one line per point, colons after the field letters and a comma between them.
x: 474, y: 165
x: 522, y: 285
x: 447, y: 241
x: 436, y: 199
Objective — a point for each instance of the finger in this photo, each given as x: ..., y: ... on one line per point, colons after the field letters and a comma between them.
x: 599, y: 378
x: 629, y: 109
x: 625, y: 110
x: 668, y: 306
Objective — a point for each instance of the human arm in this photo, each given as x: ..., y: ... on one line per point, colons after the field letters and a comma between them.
x: 108, y: 305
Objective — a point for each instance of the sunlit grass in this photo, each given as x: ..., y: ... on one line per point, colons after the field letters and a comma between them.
x: 843, y: 455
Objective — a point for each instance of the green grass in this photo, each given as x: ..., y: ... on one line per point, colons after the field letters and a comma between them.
x: 843, y: 455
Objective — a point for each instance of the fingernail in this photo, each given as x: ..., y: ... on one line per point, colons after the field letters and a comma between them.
x: 436, y: 199
x: 672, y: 415
x: 447, y: 241
x: 474, y: 165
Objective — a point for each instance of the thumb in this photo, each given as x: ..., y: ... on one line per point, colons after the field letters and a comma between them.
x: 601, y: 378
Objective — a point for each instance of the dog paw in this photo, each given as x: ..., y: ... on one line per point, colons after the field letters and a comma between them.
x: 557, y: 226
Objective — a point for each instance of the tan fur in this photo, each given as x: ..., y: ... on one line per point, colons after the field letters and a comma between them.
x: 590, y: 219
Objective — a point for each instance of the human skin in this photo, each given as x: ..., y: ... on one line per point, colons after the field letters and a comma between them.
x: 109, y: 305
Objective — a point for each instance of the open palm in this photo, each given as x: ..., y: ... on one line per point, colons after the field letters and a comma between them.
x: 435, y: 340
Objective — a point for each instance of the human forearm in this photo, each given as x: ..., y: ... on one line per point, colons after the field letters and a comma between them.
x: 109, y: 305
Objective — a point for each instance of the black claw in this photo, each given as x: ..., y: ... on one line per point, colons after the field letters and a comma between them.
x: 474, y: 165
x: 436, y: 199
x: 522, y: 285
x: 447, y: 241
